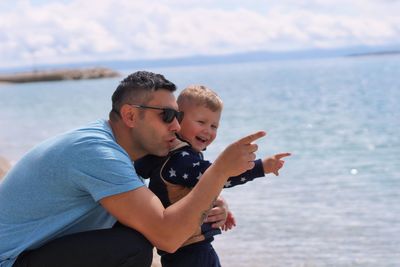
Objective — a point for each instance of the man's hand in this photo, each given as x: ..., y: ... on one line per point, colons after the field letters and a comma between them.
x: 238, y: 157
x: 218, y: 214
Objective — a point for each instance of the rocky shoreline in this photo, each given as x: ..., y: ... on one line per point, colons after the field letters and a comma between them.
x: 58, y: 75
x: 4, y: 167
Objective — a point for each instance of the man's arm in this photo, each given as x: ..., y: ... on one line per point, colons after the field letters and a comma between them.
x: 168, y: 228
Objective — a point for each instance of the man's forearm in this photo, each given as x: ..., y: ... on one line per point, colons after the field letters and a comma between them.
x: 184, y: 216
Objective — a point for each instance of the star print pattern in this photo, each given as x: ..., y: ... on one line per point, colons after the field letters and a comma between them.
x: 172, y: 173
x: 185, y: 167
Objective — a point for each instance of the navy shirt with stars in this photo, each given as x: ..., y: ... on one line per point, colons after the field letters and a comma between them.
x: 185, y: 167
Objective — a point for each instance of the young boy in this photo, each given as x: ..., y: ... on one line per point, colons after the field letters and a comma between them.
x: 173, y: 176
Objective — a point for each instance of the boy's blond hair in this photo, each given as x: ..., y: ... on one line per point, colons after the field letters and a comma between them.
x: 199, y: 95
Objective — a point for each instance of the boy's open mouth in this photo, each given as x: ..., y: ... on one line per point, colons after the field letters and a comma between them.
x: 203, y: 140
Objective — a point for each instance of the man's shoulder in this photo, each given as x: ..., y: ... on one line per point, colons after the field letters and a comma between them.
x: 94, y: 140
x: 96, y: 129
x: 96, y: 133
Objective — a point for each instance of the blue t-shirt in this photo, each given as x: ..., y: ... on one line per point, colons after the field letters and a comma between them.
x: 55, y: 188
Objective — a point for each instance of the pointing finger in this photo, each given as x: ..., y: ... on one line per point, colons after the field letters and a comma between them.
x: 252, y: 137
x: 282, y: 155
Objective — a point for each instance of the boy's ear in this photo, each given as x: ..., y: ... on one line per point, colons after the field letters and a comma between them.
x: 128, y: 115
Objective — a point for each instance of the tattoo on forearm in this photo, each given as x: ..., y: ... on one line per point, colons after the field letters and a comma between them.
x: 204, y: 214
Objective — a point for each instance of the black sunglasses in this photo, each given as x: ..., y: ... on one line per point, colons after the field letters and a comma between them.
x: 168, y: 114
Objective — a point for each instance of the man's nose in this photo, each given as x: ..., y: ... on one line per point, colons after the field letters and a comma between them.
x: 175, y: 126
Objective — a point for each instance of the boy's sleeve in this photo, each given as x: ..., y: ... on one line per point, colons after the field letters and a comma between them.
x: 256, y: 172
x: 184, y: 168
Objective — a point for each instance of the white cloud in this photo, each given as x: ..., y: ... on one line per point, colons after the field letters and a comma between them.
x: 76, y: 30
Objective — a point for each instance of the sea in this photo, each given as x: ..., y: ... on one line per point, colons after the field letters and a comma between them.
x: 336, y: 201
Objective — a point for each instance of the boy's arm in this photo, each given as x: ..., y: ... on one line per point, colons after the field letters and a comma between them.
x: 168, y: 228
x: 186, y: 167
x: 256, y: 172
x: 265, y: 166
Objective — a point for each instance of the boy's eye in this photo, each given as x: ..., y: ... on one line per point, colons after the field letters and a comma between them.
x: 214, y: 127
x: 201, y: 122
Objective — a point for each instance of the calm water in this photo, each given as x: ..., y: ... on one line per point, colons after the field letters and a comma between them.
x: 336, y: 202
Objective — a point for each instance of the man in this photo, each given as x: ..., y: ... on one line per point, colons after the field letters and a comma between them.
x: 59, y: 203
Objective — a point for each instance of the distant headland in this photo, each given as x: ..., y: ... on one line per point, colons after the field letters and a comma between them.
x: 58, y: 75
x: 73, y: 70
x: 379, y: 53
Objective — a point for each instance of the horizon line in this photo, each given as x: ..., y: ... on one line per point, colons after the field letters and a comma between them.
x: 203, y: 59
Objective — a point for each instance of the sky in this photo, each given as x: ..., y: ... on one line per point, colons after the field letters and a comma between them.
x: 68, y: 31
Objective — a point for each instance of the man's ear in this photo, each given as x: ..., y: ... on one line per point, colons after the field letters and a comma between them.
x: 128, y: 115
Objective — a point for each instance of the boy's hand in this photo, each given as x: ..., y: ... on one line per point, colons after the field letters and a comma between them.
x: 229, y: 223
x: 274, y: 163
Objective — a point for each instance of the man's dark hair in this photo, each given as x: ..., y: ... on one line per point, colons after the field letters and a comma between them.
x: 135, y: 89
